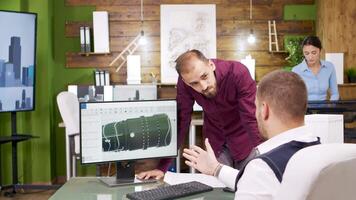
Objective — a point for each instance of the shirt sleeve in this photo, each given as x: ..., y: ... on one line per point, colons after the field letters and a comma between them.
x: 185, y: 102
x: 334, y: 92
x: 294, y: 69
x: 257, y: 183
x: 246, y: 87
x: 226, y: 176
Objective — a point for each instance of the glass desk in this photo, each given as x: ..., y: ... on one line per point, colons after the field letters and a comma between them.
x: 80, y: 188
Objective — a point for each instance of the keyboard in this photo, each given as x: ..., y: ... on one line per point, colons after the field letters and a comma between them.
x: 170, y: 191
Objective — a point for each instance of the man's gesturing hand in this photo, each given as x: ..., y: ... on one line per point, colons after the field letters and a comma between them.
x: 204, y: 161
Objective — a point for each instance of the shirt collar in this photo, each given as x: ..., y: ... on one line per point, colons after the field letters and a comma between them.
x: 305, y: 67
x: 218, y: 71
x: 301, y: 133
x: 323, y: 64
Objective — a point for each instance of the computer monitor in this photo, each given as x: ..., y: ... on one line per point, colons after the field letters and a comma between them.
x: 89, y: 93
x: 17, y: 61
x: 134, y: 92
x: 127, y: 131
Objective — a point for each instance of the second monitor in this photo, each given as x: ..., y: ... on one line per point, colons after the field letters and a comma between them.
x: 124, y: 131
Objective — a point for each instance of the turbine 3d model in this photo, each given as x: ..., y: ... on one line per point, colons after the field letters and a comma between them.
x: 137, y: 133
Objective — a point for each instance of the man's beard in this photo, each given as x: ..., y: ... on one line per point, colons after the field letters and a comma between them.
x: 210, y: 92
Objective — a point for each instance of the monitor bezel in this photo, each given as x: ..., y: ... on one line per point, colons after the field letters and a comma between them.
x: 135, y: 159
x: 35, y: 64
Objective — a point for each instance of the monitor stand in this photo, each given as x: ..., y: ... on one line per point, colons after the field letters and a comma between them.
x: 125, y: 175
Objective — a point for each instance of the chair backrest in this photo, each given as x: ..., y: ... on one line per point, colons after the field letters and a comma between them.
x: 326, y: 171
x: 68, y: 105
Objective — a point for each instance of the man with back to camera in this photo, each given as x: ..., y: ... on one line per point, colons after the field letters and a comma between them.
x: 226, y: 92
x: 281, y: 103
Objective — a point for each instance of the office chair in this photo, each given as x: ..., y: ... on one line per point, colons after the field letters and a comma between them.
x: 68, y: 105
x: 326, y: 171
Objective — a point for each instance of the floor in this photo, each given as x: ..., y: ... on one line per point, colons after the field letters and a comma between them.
x: 30, y: 195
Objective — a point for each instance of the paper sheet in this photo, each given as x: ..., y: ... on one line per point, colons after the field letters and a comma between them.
x: 176, y: 178
x: 250, y: 64
x: 338, y: 60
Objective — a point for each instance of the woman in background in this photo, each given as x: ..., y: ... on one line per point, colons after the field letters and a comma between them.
x: 318, y: 75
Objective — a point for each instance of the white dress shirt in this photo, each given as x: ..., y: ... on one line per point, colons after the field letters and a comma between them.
x: 259, y: 181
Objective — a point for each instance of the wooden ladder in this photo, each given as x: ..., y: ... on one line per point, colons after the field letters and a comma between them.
x: 272, y: 36
x: 129, y: 50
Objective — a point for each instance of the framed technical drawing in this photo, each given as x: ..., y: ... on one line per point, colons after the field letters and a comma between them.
x: 185, y: 27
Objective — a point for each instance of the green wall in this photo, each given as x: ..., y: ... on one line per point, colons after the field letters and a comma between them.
x: 299, y: 12
x: 33, y: 156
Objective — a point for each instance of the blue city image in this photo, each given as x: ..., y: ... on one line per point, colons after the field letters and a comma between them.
x: 17, y: 62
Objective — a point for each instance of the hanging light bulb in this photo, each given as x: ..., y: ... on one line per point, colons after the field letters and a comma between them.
x: 251, y: 38
x: 139, y: 40
x: 143, y: 39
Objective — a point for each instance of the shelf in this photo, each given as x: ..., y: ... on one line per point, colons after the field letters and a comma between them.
x: 278, y: 51
x: 93, y: 53
x: 166, y: 84
x: 347, y: 85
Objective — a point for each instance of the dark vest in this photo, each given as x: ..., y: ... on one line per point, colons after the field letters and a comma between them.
x: 278, y: 157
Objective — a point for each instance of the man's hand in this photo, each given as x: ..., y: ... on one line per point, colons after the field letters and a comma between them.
x: 156, y: 174
x: 204, y: 161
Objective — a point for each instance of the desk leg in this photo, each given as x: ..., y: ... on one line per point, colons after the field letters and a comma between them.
x: 192, y: 142
x: 0, y: 170
x: 178, y: 161
x: 74, y: 166
x: 15, y: 179
x: 68, y: 158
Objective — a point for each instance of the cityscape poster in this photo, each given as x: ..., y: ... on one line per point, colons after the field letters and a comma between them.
x: 17, y: 61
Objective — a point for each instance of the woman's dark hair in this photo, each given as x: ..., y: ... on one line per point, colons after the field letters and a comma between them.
x: 312, y: 40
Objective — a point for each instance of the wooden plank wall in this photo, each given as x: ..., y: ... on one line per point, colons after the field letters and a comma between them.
x: 336, y: 28
x: 233, y: 26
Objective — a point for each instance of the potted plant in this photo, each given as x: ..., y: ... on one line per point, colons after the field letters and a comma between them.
x: 351, y: 74
x: 293, y: 46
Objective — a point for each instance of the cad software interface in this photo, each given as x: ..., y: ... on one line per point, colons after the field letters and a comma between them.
x: 114, y: 131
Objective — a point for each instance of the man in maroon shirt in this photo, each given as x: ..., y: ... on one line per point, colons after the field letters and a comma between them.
x: 226, y: 92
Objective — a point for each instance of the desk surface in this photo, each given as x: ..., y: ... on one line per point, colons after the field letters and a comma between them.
x: 91, y: 188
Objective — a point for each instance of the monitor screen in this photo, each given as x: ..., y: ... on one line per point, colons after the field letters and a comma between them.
x: 127, y: 130
x: 17, y: 61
